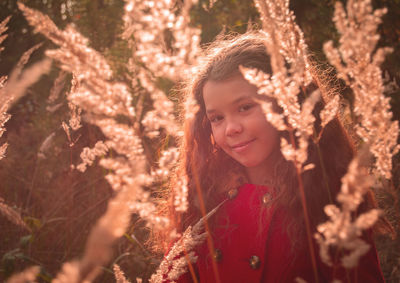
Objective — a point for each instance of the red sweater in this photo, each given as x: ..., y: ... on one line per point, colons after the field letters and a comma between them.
x: 246, y: 253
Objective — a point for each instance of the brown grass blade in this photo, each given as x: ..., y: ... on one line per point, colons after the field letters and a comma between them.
x: 12, y: 215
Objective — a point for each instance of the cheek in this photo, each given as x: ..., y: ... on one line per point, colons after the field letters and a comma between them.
x: 269, y: 134
x: 273, y: 137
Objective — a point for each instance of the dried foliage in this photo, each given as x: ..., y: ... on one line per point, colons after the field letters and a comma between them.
x: 89, y: 155
x: 18, y: 82
x: 10, y: 91
x: 102, y: 102
x: 175, y: 263
x: 119, y: 274
x: 164, y: 41
x: 285, y: 43
x: 342, y: 230
x: 4, y: 117
x: 3, y: 29
x: 28, y: 275
x: 330, y: 111
x: 12, y: 215
x: 361, y: 71
x: 165, y: 46
x: 284, y: 37
x: 56, y: 90
x: 358, y: 64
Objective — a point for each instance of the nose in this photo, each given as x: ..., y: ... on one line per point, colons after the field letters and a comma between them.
x: 233, y: 127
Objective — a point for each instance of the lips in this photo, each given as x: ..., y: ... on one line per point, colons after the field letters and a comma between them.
x: 240, y: 147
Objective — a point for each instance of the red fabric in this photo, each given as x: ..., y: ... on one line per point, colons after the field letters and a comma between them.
x: 237, y: 235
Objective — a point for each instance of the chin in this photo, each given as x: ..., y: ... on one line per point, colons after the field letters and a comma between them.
x: 249, y: 164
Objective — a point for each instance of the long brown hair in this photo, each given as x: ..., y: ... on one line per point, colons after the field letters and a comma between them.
x: 214, y: 171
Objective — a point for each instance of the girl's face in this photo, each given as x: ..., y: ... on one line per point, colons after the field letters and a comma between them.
x: 238, y: 123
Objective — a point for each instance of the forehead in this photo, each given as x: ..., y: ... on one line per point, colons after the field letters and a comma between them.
x: 218, y: 93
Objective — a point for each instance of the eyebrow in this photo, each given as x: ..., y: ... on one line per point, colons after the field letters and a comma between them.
x: 237, y: 100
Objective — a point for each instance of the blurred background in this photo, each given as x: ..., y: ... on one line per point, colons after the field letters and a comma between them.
x: 60, y: 205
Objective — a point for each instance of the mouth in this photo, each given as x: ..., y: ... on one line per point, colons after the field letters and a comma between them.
x: 240, y: 147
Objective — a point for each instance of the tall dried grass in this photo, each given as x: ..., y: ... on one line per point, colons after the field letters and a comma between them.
x: 134, y: 174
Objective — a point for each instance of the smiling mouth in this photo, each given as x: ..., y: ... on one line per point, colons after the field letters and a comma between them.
x: 242, y: 146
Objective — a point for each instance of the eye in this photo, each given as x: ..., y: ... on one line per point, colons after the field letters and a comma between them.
x: 215, y: 118
x: 246, y: 107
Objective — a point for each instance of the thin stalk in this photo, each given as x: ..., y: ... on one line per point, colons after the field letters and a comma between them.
x: 191, y: 269
x: 336, y: 265
x: 209, y: 239
x: 32, y: 184
x: 305, y: 212
x: 321, y: 161
x: 316, y: 142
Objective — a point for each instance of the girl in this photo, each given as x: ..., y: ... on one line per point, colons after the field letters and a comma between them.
x: 231, y: 152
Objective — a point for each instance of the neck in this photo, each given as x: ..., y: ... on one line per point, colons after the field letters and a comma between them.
x: 259, y: 175
x: 263, y: 174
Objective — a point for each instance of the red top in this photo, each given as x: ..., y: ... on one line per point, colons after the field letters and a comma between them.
x: 245, y: 253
